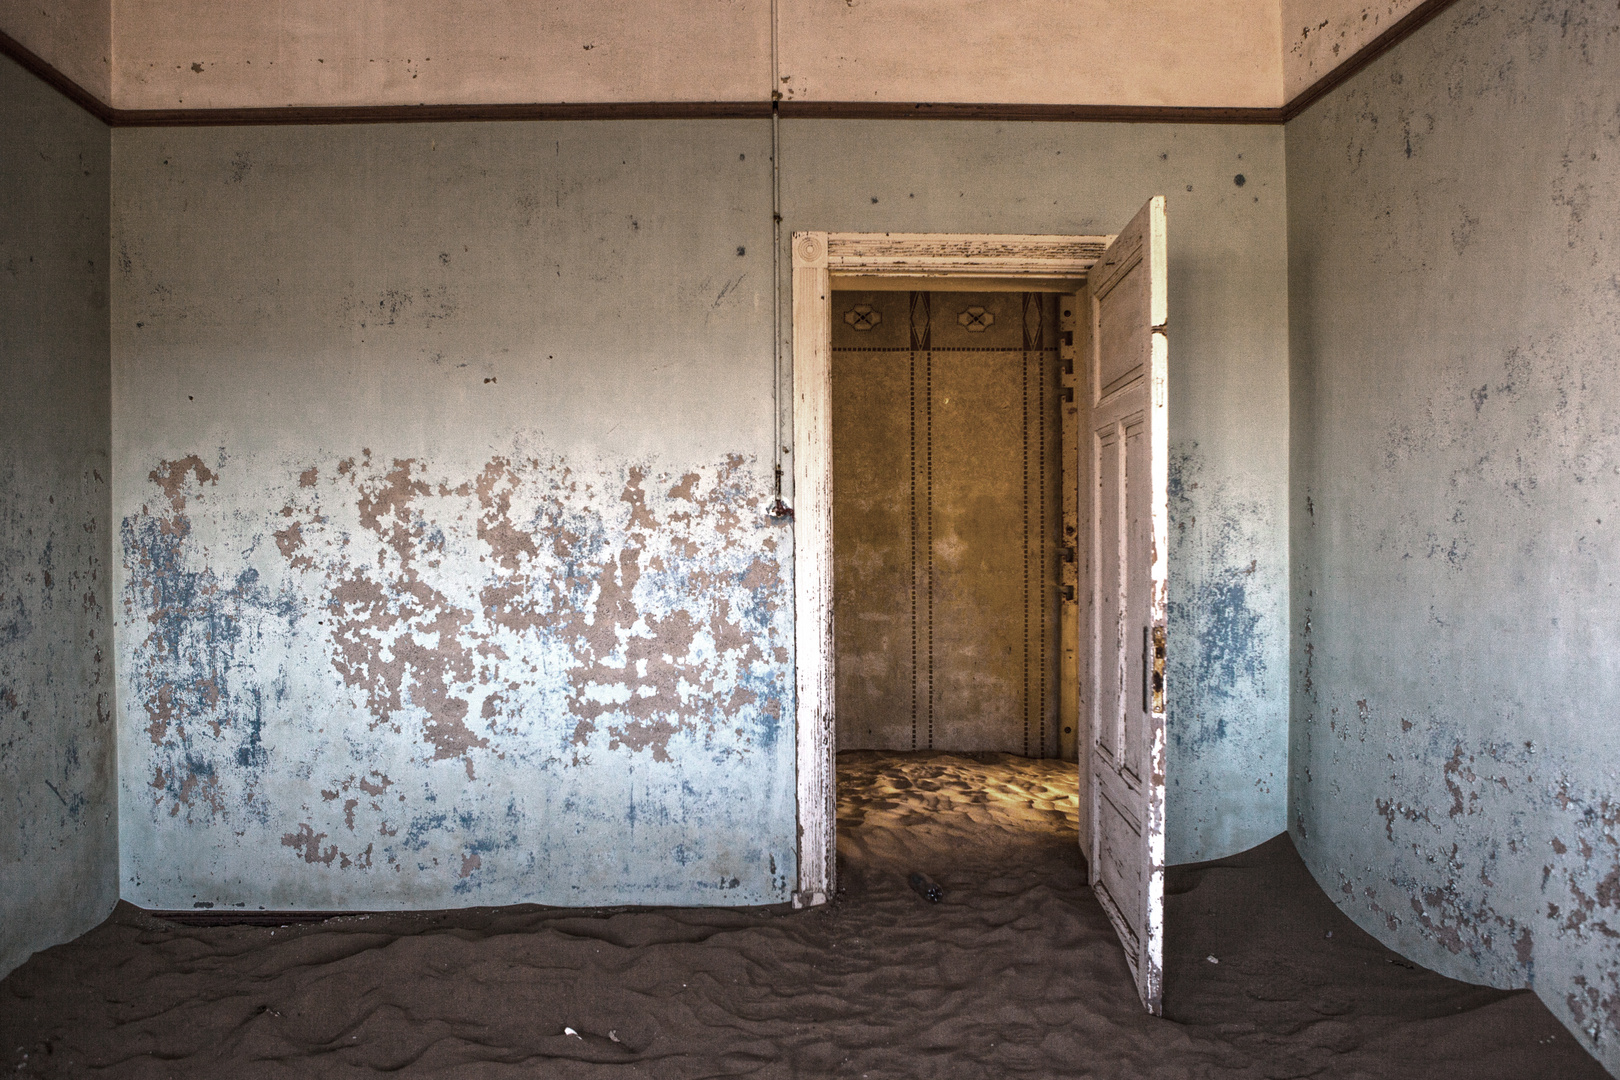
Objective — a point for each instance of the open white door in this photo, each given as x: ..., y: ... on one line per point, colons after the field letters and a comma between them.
x: 1129, y: 463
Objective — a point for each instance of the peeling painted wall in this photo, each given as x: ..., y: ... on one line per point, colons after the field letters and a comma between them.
x: 1228, y: 723
x: 1227, y: 728
x: 1456, y: 488
x: 444, y: 573
x: 443, y: 452
x: 58, y: 823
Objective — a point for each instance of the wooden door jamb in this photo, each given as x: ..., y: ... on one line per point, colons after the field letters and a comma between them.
x: 820, y: 260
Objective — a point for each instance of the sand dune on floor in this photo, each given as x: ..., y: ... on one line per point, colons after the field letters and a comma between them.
x: 1016, y: 973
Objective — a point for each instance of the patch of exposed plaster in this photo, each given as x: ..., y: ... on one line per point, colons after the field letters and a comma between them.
x: 1224, y: 650
x: 1226, y: 663
x: 1445, y: 886
x: 518, y: 616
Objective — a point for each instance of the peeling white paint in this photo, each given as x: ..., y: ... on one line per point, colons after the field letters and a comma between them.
x: 1456, y: 331
x: 540, y: 682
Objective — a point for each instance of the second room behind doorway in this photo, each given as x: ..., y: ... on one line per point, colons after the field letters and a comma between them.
x: 946, y: 520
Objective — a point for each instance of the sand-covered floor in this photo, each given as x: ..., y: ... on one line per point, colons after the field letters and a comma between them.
x: 1016, y: 974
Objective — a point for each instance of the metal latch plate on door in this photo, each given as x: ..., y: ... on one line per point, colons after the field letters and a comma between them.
x: 1153, y: 648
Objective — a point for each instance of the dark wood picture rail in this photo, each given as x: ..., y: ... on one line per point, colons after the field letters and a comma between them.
x: 725, y: 110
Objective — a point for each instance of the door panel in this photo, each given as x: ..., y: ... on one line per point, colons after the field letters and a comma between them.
x: 1129, y: 535
x: 1122, y: 352
x: 1138, y: 530
x: 1109, y: 562
x: 1119, y: 881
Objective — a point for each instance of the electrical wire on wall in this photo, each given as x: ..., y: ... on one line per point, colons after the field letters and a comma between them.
x: 779, y: 430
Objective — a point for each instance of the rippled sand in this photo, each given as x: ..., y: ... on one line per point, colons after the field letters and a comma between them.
x: 1015, y: 974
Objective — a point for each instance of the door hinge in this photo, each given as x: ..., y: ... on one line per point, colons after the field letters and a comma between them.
x: 779, y: 509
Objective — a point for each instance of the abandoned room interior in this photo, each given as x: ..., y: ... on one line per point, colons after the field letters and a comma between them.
x: 809, y: 538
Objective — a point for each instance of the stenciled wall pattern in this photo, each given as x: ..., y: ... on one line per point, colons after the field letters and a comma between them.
x: 946, y: 520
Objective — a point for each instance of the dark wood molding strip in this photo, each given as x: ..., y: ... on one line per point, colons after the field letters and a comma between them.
x: 423, y: 114
x: 376, y: 114
x: 38, y: 66
x: 727, y: 110
x: 1397, y: 32
x: 1108, y: 114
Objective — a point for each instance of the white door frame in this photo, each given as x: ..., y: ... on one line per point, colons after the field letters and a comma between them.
x: 821, y: 260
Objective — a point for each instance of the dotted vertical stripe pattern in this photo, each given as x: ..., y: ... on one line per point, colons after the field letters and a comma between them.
x: 945, y: 404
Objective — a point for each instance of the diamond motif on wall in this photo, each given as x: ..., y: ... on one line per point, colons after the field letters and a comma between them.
x: 862, y: 317
x: 976, y: 319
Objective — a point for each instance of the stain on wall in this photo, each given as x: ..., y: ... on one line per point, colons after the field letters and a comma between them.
x: 1228, y: 385
x: 444, y: 570
x: 58, y: 823
x: 1231, y: 670
x: 1319, y: 35
x: 1456, y: 477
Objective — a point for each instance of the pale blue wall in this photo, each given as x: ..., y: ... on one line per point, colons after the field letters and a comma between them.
x: 288, y: 299
x: 58, y: 823
x: 1455, y: 319
x: 445, y: 577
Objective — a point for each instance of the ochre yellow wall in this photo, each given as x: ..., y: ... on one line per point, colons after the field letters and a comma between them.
x: 74, y: 36
x: 167, y: 54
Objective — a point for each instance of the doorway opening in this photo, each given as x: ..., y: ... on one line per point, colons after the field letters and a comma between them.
x: 1114, y: 545
x: 948, y: 621
x: 1022, y: 282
